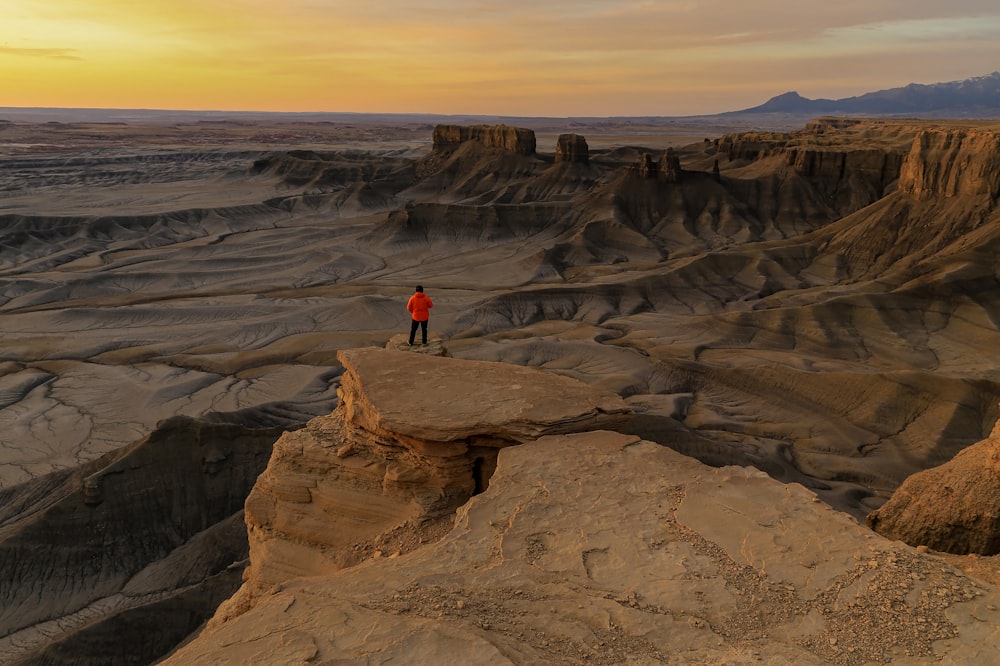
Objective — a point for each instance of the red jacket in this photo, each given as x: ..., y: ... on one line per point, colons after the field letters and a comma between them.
x: 418, y: 305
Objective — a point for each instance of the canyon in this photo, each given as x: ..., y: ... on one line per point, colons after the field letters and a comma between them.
x: 780, y: 328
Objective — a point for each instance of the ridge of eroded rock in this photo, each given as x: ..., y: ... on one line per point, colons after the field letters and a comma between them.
x: 512, y: 139
x: 572, y: 148
x: 945, y: 163
x: 602, y: 548
x: 413, y: 438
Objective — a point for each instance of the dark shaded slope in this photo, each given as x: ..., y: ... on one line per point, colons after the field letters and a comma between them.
x: 473, y: 174
x: 74, y: 543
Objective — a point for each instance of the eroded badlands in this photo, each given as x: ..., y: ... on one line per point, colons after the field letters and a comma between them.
x: 819, y: 305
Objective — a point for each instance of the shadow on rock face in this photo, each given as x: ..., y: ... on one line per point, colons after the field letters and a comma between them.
x: 144, y: 537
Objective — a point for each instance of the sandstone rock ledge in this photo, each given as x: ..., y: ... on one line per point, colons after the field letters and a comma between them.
x: 413, y: 438
x: 603, y: 548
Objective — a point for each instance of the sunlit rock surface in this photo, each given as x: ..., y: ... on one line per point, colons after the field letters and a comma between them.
x: 603, y: 548
x: 953, y: 508
x: 413, y: 437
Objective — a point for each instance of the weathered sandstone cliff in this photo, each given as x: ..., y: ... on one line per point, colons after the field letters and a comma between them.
x: 413, y: 438
x: 949, y: 162
x: 945, y: 207
x: 930, y: 161
x: 513, y: 139
x: 478, y: 164
x: 850, y: 171
x: 572, y: 148
x: 877, y: 164
x: 593, y: 547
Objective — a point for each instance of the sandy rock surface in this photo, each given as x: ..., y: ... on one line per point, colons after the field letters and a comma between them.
x: 444, y: 400
x: 656, y: 559
x: 413, y: 437
x: 954, y: 508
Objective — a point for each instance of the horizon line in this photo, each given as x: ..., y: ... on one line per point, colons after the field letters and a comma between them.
x: 339, y: 113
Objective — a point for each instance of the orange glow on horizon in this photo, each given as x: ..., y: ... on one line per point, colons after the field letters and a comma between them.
x: 589, y: 57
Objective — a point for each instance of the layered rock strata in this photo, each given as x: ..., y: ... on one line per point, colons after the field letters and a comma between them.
x: 413, y: 438
x: 124, y: 557
x: 945, y: 163
x: 572, y: 148
x: 953, y: 508
x: 512, y: 139
x: 603, y: 548
x: 827, y: 153
x: 668, y: 167
x: 880, y: 165
x: 930, y: 162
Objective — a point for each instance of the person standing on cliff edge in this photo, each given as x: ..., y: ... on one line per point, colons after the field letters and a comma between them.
x: 419, y: 307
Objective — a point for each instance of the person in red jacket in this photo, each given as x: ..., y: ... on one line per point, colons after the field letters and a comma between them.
x: 419, y: 307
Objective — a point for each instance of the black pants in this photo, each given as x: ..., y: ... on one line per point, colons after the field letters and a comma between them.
x: 413, y: 330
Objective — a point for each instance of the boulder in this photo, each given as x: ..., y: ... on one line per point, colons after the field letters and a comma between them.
x: 953, y: 508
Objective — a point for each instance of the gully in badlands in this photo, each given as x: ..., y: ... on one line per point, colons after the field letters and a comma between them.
x: 675, y: 375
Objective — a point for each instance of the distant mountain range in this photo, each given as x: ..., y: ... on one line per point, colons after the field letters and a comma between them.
x: 977, y: 97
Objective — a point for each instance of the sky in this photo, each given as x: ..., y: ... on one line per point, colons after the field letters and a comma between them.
x: 552, y: 58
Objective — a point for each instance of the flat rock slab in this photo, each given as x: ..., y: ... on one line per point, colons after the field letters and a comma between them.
x: 434, y: 346
x: 446, y: 399
x: 601, y: 548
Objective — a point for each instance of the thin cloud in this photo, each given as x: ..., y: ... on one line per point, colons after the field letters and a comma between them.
x: 56, y: 54
x: 514, y: 56
x: 971, y: 27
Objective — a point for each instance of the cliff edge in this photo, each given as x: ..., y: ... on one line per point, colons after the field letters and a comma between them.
x: 412, y: 439
x: 589, y: 547
x: 513, y: 139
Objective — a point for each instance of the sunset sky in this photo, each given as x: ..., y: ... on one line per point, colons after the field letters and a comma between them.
x: 502, y: 57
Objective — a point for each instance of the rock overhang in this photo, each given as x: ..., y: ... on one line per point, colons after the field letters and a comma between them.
x: 449, y: 400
